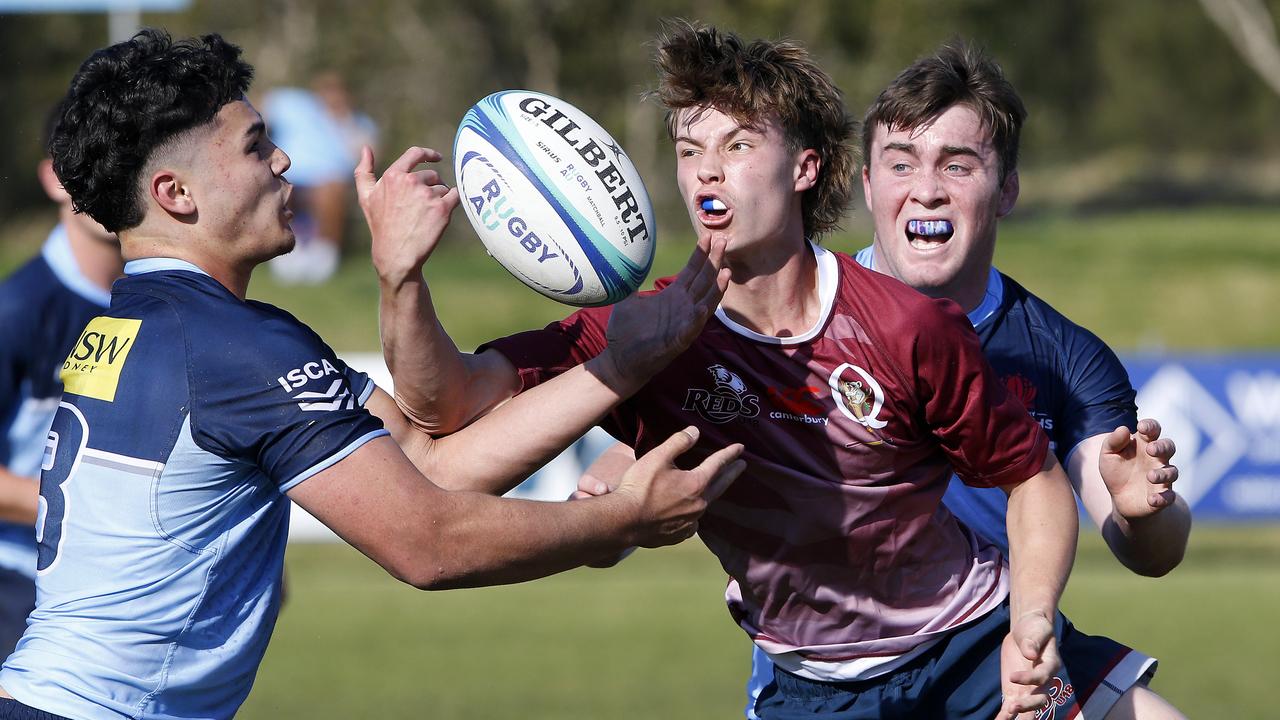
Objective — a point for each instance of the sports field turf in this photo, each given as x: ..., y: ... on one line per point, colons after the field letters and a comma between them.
x: 651, y: 637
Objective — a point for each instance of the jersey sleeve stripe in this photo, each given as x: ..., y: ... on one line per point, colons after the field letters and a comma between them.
x: 332, y: 459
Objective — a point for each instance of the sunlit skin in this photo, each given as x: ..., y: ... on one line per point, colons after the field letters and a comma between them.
x: 947, y: 169
x: 244, y: 194
x: 759, y: 177
x: 217, y: 198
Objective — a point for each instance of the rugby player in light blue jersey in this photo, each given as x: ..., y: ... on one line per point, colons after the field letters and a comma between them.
x: 924, y: 144
x: 192, y: 416
x: 43, y: 307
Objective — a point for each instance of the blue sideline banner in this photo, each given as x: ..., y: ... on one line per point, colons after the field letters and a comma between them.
x: 1223, y: 411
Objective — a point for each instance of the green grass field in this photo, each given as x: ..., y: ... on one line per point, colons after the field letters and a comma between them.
x: 651, y: 637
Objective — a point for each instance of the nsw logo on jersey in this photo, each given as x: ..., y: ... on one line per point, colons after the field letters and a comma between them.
x: 729, y: 399
x: 93, y: 367
x: 336, y: 396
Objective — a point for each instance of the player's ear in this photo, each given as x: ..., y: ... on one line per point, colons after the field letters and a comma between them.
x: 1008, y: 194
x: 807, y: 166
x: 50, y: 182
x: 171, y: 193
x: 866, y: 188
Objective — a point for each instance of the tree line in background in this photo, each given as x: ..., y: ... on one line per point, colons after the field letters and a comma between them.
x: 1143, y: 101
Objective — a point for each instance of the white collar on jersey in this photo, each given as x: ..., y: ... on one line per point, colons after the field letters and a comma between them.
x: 828, y: 279
x: 57, y: 253
x: 147, y: 265
x: 990, y: 301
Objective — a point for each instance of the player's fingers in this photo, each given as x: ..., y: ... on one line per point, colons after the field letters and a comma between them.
x: 451, y: 198
x: 428, y: 176
x: 411, y: 158
x: 365, y: 179
x: 1162, y: 449
x: 1166, y: 475
x: 1015, y: 706
x: 592, y: 486
x: 723, y: 478
x: 691, y: 269
x: 1162, y: 499
x: 679, y: 443
x: 1117, y: 440
x: 1150, y: 428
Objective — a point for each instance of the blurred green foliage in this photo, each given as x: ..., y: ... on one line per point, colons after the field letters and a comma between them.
x: 1132, y: 88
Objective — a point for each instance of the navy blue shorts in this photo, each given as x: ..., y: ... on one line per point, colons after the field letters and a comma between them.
x: 17, y: 600
x: 14, y: 710
x: 959, y: 678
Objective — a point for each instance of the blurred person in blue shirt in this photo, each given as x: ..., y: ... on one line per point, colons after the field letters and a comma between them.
x: 44, y: 305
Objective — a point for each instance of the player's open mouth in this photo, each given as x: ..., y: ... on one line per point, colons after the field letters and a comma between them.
x: 712, y: 211
x: 929, y: 234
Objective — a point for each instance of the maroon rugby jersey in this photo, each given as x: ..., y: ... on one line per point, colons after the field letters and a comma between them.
x: 840, y: 554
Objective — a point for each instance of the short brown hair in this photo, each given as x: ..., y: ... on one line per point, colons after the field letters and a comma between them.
x: 700, y: 67
x: 959, y: 73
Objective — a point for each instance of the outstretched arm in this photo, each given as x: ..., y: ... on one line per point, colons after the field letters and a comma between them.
x: 1043, y: 527
x: 439, y: 388
x: 1125, y: 481
x: 434, y: 539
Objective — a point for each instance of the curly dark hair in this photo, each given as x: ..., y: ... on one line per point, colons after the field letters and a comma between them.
x: 958, y: 73
x: 700, y: 67
x: 128, y: 99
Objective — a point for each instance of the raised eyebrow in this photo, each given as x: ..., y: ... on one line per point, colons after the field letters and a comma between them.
x: 900, y: 147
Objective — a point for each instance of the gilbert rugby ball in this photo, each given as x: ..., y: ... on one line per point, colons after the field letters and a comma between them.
x: 553, y: 198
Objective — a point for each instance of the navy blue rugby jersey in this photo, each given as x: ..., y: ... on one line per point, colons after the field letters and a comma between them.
x: 1068, y: 379
x: 187, y: 415
x: 43, y: 307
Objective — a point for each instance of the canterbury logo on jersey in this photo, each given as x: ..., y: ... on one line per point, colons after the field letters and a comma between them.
x: 336, y: 397
x: 93, y: 367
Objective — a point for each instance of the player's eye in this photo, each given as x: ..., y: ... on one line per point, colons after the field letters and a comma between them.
x: 900, y: 167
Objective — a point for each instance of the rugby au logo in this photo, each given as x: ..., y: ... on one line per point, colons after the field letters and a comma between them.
x: 728, y: 400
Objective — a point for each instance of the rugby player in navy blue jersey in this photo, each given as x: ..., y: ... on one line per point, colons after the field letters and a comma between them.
x: 192, y: 416
x: 940, y: 147
x: 43, y: 307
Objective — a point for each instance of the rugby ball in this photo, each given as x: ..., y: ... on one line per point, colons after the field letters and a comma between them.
x: 553, y: 198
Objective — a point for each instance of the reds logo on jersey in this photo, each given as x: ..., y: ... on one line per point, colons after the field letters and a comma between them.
x: 727, y: 401
x: 1060, y: 694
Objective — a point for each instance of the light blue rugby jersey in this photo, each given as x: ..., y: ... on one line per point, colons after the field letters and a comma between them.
x: 43, y: 307
x: 188, y: 413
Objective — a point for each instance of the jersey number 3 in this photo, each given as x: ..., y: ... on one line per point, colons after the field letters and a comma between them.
x: 62, y: 452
